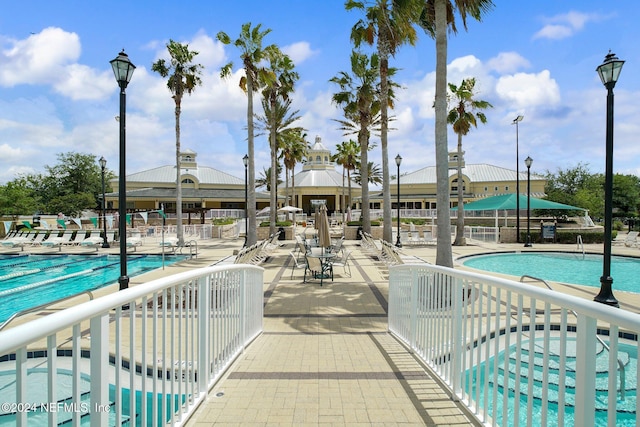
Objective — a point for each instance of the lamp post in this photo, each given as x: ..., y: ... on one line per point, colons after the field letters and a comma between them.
x: 528, y: 161
x: 609, y: 72
x: 245, y: 160
x: 105, y: 243
x: 123, y: 70
x: 398, y: 161
x: 515, y: 122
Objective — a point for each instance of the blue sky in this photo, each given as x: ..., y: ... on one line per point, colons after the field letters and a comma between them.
x: 538, y: 59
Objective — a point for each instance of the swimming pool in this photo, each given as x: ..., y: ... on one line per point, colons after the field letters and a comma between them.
x: 475, y: 377
x: 37, y: 392
x: 564, y: 267
x: 28, y: 280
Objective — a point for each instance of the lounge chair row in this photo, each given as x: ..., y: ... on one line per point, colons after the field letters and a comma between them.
x: 385, y: 251
x: 56, y: 239
x: 256, y: 254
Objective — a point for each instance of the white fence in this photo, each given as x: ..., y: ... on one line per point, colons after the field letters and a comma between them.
x: 151, y: 351
x: 558, y: 369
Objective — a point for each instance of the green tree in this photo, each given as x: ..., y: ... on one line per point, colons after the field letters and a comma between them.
x: 348, y: 156
x: 464, y: 114
x: 294, y: 149
x: 18, y: 197
x: 266, y: 178
x: 276, y: 104
x: 252, y: 55
x: 374, y: 174
x: 438, y: 16
x: 184, y: 77
x: 70, y: 186
x: 625, y: 197
x: 358, y: 97
x: 389, y: 24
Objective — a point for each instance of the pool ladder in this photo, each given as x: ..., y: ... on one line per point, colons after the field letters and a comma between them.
x: 41, y: 307
x: 604, y: 345
x: 580, y: 244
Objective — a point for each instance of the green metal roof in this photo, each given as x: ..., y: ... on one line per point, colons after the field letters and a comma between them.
x: 508, y: 202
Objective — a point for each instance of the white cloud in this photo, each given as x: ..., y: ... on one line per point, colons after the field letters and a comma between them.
x: 39, y: 59
x: 566, y: 25
x: 529, y: 90
x: 507, y: 62
x: 299, y: 52
x: 82, y: 82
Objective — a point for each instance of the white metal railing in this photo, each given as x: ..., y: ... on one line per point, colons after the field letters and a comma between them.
x: 158, y: 347
x: 460, y: 322
x: 483, y: 234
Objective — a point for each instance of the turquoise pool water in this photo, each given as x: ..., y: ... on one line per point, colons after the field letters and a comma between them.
x: 626, y: 415
x: 30, y: 280
x: 562, y: 267
x: 37, y: 378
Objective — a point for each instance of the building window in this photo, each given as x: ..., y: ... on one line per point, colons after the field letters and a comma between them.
x: 188, y: 181
x: 454, y: 186
x: 506, y: 188
x: 495, y: 188
x: 486, y: 189
x: 318, y: 159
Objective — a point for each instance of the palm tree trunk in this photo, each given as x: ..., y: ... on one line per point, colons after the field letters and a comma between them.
x: 444, y: 255
x: 460, y: 241
x: 273, y: 144
x: 251, y: 193
x: 364, y: 175
x: 179, y: 233
x: 383, y: 51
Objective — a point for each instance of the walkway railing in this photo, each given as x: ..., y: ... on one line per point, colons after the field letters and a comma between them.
x: 151, y: 351
x: 457, y: 322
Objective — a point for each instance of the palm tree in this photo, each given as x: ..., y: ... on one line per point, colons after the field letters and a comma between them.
x: 373, y: 172
x: 184, y: 76
x: 252, y: 54
x: 293, y: 150
x: 438, y: 16
x: 266, y: 178
x: 390, y: 23
x: 274, y: 92
x: 358, y: 97
x: 462, y: 117
x: 348, y: 156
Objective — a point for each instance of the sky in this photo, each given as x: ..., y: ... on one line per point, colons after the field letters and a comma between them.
x: 538, y: 59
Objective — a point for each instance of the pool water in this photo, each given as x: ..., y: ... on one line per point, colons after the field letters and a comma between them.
x: 28, y: 281
x: 626, y: 415
x: 574, y: 268
x: 37, y: 377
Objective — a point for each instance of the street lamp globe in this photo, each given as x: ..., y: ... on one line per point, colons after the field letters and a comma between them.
x: 122, y: 68
x: 609, y: 70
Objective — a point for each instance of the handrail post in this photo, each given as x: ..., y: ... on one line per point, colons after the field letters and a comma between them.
x: 99, y: 362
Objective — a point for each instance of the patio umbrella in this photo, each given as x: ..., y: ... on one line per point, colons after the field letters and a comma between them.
x: 324, y: 239
x: 289, y: 209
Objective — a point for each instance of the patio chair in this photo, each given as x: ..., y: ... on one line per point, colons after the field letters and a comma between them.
x: 317, y: 269
x: 343, y: 262
x: 296, y: 263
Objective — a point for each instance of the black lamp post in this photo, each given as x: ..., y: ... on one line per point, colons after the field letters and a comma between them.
x: 528, y: 161
x: 609, y: 72
x: 398, y: 161
x: 245, y: 160
x: 105, y: 243
x: 123, y: 70
x: 515, y: 122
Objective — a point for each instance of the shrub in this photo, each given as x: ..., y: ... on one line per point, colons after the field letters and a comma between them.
x: 278, y: 224
x: 223, y: 221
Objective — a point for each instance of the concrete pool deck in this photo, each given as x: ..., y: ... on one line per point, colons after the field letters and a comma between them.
x: 325, y: 357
